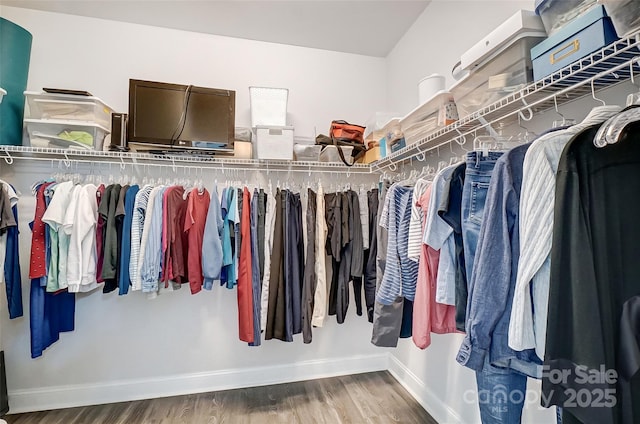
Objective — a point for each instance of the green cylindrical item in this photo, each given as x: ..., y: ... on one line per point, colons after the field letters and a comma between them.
x: 15, y: 51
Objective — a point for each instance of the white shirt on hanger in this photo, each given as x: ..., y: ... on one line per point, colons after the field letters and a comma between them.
x: 269, y: 223
x: 320, y: 305
x: 54, y: 216
x: 81, y: 264
x: 363, y: 199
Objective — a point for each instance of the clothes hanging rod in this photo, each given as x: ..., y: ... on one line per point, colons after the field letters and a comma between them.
x: 65, y: 165
x: 9, y: 153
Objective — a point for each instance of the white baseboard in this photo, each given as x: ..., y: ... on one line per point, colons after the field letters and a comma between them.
x: 421, y: 392
x: 121, y: 391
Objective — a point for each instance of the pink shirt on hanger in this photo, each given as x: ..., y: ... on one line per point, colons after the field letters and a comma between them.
x: 429, y: 316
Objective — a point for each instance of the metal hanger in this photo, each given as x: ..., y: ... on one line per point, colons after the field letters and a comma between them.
x: 496, y: 142
x: 526, y: 130
x: 564, y: 121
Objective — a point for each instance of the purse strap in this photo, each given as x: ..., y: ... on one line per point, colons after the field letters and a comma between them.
x: 341, y: 153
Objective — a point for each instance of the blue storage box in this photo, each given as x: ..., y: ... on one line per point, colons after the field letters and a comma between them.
x: 581, y: 37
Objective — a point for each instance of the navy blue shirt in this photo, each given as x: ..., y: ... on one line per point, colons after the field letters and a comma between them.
x: 125, y: 246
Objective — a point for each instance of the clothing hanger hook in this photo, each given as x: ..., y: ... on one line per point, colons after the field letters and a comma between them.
x: 593, y: 93
x: 461, y: 140
x: 393, y: 167
x: 527, y: 108
x: 122, y: 164
x: 67, y: 161
x: 555, y: 104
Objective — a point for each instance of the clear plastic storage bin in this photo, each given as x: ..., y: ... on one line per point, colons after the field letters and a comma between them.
x: 268, y: 106
x: 509, y: 71
x: 438, y: 111
x: 557, y: 13
x: 65, y: 134
x: 306, y: 152
x: 68, y: 107
x: 625, y: 15
x: 374, y: 127
x: 330, y: 154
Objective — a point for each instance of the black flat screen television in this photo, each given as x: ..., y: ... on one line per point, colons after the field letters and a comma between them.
x: 165, y: 116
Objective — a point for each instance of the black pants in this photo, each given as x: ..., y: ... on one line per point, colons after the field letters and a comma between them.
x: 262, y: 205
x: 370, y: 264
x: 310, y: 279
x: 276, y: 307
x: 294, y: 265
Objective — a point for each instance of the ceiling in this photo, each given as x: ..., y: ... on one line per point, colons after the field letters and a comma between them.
x: 363, y: 27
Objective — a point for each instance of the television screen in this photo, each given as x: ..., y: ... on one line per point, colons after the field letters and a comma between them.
x: 180, y: 116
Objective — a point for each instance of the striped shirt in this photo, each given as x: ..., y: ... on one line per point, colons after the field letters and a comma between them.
x: 139, y: 211
x: 401, y: 274
x: 526, y: 329
x: 151, y: 244
x: 414, y: 244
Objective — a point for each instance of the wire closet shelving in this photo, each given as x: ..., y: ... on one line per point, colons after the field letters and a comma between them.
x: 604, y: 68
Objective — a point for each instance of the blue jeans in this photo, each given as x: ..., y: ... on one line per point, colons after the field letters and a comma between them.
x: 474, y: 194
x: 501, y: 391
x: 501, y: 394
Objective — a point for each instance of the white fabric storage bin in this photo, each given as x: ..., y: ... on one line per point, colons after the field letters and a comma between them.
x: 268, y: 106
x: 274, y: 142
x: 68, y: 107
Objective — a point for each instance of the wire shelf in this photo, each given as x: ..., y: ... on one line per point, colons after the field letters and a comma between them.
x: 9, y: 153
x: 603, y: 69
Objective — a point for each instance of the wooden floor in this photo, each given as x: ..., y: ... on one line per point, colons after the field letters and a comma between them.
x: 363, y: 398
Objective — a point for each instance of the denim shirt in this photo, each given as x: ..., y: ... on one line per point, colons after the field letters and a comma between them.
x: 494, y: 273
x: 152, y: 261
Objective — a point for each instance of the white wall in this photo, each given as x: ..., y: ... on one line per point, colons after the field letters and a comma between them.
x: 178, y: 342
x: 435, y: 42
x: 100, y: 56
